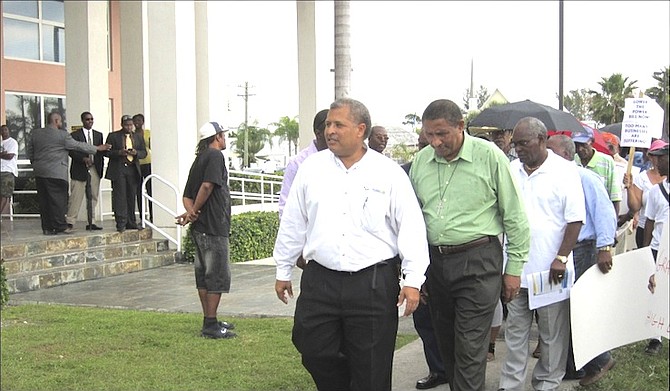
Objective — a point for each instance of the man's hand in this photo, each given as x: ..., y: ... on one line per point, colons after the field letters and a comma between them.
x: 284, y: 290
x: 605, y: 261
x: 652, y: 283
x: 301, y: 263
x: 411, y: 297
x: 88, y: 162
x: 557, y: 272
x: 182, y: 219
x: 103, y: 147
x: 511, y: 287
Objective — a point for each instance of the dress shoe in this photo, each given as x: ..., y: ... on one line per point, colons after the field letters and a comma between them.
x: 431, y: 381
x: 574, y: 375
x: 596, y: 376
x: 93, y: 227
x: 48, y: 232
x: 131, y: 226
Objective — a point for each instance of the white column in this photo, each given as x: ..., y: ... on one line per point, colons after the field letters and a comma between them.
x: 202, y: 63
x: 306, y: 70
x: 134, y: 62
x: 86, y: 73
x: 172, y: 97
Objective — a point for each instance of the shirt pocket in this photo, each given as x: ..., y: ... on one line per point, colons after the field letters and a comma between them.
x: 375, y: 207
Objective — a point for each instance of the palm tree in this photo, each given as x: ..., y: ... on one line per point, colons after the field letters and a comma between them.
x: 413, y: 120
x: 342, y: 53
x: 288, y: 130
x: 661, y: 95
x: 257, y: 138
x: 607, y: 106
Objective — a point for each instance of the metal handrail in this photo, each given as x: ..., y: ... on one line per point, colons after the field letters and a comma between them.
x: 173, y: 213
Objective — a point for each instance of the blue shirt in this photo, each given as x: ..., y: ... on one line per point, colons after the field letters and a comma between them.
x: 601, y: 221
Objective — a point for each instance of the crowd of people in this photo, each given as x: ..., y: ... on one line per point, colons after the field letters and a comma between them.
x: 52, y: 149
x: 461, y: 229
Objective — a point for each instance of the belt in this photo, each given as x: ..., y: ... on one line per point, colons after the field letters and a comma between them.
x: 459, y: 248
x: 391, y: 261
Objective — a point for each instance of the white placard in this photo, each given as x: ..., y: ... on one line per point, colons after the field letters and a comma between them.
x: 642, y: 120
x: 611, y: 310
x: 658, y: 318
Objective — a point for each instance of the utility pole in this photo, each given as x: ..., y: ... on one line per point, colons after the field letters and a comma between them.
x: 246, y: 124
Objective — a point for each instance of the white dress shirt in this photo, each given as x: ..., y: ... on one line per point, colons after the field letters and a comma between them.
x: 657, y: 210
x: 553, y: 197
x: 349, y: 219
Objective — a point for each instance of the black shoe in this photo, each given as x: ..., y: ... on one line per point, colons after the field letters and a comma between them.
x: 574, y: 375
x: 121, y: 229
x: 653, y: 347
x: 226, y: 325
x: 218, y: 333
x: 48, y: 232
x: 131, y: 226
x: 431, y: 381
x: 70, y: 226
x: 93, y: 227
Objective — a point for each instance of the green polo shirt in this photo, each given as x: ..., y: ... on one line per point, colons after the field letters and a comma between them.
x: 603, y: 165
x: 477, y: 197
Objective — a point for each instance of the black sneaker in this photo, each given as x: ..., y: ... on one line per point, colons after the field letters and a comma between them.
x: 226, y: 325
x: 653, y: 347
x: 218, y: 333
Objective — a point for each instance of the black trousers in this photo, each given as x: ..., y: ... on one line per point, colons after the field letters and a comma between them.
x: 345, y: 326
x: 423, y: 324
x: 463, y: 291
x: 146, y: 171
x: 52, y: 196
x: 124, y: 193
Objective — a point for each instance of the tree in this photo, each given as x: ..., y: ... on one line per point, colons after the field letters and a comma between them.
x: 288, y: 130
x: 257, y: 138
x: 607, y: 105
x: 661, y: 94
x: 413, y: 120
x: 578, y: 103
x: 402, y: 153
x: 482, y: 96
x: 342, y: 50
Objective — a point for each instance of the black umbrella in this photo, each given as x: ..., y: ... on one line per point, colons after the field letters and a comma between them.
x: 615, y: 129
x: 507, y: 115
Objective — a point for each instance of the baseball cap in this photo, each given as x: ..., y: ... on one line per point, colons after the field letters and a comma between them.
x: 320, y: 120
x: 610, y: 138
x: 209, y: 129
x: 583, y: 137
x: 658, y: 148
x: 126, y: 118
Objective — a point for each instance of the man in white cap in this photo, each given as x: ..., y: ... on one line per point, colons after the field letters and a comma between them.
x: 207, y: 203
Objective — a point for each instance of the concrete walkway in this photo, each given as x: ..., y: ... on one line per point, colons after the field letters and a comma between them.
x: 172, y: 289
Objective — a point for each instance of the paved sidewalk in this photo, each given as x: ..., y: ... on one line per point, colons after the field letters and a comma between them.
x: 172, y: 289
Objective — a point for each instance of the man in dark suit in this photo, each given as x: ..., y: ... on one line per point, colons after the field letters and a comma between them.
x: 123, y: 170
x: 85, y: 169
x: 47, y: 148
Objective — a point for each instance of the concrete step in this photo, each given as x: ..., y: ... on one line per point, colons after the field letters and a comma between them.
x: 46, y: 261
x: 90, y: 270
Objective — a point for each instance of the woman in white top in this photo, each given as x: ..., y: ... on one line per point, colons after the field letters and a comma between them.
x: 639, y: 189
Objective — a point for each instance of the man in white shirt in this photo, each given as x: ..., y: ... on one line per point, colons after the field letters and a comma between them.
x: 554, y: 201
x: 657, y: 212
x: 353, y: 215
x: 9, y: 169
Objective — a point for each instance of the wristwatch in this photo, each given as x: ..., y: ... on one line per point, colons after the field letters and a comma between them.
x: 605, y: 248
x: 562, y: 258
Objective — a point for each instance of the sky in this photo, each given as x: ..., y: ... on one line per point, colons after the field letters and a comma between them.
x: 406, y: 54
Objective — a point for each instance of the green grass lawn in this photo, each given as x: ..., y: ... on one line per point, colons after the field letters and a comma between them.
x: 49, y: 347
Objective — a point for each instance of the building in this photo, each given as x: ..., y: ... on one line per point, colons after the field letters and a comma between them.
x: 123, y: 57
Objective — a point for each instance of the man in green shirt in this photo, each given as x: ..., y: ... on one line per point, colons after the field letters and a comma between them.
x: 468, y: 197
x: 598, y: 162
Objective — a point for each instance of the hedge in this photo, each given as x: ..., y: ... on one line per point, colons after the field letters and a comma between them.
x: 252, y: 236
x: 4, y: 290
